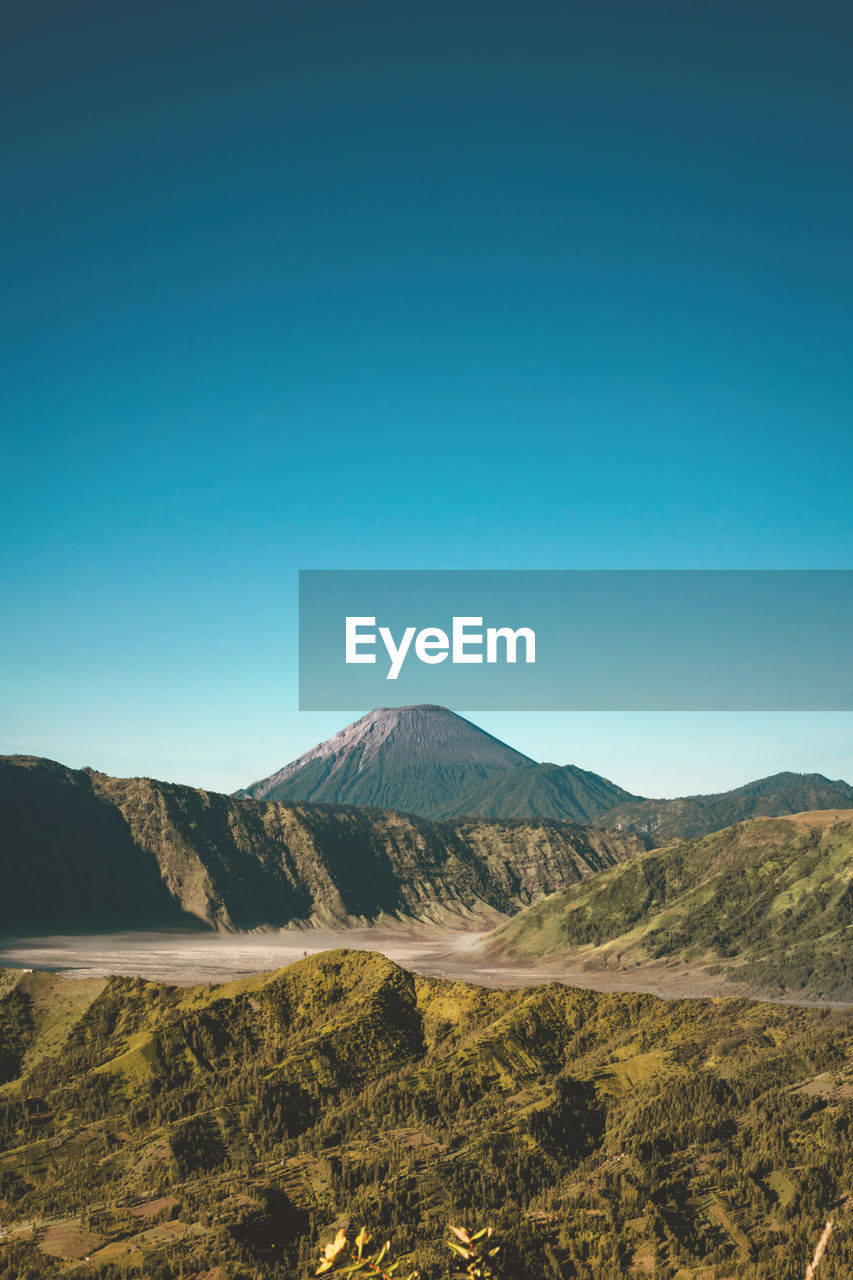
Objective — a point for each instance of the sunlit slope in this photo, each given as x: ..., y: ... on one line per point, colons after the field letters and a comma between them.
x: 234, y: 1126
x: 768, y: 902
x: 39, y: 1012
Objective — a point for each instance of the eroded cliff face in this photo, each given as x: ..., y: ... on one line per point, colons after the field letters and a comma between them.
x: 83, y: 850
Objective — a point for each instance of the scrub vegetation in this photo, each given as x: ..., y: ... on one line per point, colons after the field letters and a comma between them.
x: 236, y: 1130
x: 768, y: 903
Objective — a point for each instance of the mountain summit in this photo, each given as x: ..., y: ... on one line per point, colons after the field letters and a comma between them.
x: 428, y: 760
x: 406, y: 737
x: 419, y: 758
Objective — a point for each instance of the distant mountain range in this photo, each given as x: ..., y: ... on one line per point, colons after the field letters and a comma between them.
x: 663, y: 821
x: 83, y: 851
x: 430, y: 761
x: 767, y: 903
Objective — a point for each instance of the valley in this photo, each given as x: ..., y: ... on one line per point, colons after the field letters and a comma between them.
x: 184, y: 959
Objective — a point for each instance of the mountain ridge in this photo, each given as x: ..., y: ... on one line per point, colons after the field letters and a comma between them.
x: 79, y: 846
x: 766, y: 903
x: 685, y: 817
x: 430, y: 761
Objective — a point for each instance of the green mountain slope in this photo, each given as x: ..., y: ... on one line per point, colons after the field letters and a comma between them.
x: 148, y: 1130
x: 84, y: 851
x: 663, y: 821
x: 540, y: 790
x: 768, y: 902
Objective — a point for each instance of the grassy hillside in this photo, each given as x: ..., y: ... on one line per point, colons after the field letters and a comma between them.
x: 663, y: 821
x: 82, y: 850
x: 225, y: 1132
x: 767, y: 902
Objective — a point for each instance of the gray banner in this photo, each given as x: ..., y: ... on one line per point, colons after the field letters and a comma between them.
x: 575, y: 640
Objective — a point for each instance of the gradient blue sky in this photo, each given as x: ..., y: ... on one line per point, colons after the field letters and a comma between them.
x: 468, y: 285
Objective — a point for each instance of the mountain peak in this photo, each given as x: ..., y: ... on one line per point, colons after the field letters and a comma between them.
x: 389, y: 741
x: 418, y: 735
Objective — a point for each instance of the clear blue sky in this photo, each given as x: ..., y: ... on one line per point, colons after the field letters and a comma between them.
x: 398, y: 285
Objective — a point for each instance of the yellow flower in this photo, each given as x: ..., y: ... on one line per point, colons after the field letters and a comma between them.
x: 331, y: 1251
